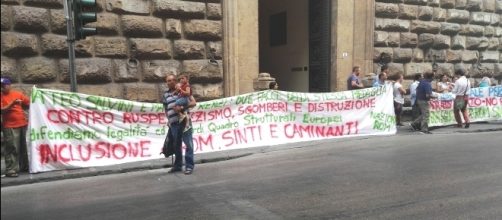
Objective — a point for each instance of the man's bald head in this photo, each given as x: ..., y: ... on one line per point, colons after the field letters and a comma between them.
x: 171, y: 81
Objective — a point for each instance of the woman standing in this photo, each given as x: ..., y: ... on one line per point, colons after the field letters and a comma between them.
x: 399, y: 93
x: 485, y: 81
x: 443, y: 86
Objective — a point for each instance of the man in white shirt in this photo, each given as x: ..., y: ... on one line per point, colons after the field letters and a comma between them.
x: 461, y: 89
x: 399, y: 92
x: 415, y: 111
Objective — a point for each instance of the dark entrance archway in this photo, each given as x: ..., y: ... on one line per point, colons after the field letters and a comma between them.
x: 295, y: 43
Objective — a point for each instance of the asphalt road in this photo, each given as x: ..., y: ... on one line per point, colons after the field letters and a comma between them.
x: 440, y: 176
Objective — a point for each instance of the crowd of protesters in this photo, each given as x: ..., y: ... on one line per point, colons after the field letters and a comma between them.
x: 421, y: 91
x: 178, y: 99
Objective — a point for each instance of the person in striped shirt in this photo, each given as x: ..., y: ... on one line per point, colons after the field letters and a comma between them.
x: 177, y: 133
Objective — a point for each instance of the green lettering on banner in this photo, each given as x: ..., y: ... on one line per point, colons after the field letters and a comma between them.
x: 441, y: 117
x: 336, y: 96
x: 161, y: 131
x: 132, y: 131
x: 69, y: 134
x: 106, y: 104
x: 251, y: 119
x: 382, y: 121
x: 497, y: 112
x: 444, y: 117
x: 326, y: 120
x: 37, y: 96
x: 215, y: 127
x: 156, y: 107
x: 244, y: 99
x: 297, y: 97
x: 480, y: 112
x: 198, y: 129
x: 219, y: 103
x: 367, y: 93
x: 268, y: 95
x: 143, y: 107
x: 64, y: 99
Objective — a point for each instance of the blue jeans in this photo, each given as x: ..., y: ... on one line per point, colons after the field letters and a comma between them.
x: 188, y: 140
x: 174, y: 136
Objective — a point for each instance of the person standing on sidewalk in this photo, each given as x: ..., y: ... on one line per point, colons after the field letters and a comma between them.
x: 461, y: 89
x: 424, y: 94
x: 176, y: 133
x: 14, y: 124
x: 485, y: 81
x: 399, y: 93
x: 443, y: 86
x: 187, y: 133
x: 415, y: 111
x: 353, y: 82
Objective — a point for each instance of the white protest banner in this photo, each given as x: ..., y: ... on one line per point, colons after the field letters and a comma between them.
x: 73, y: 130
x: 485, y: 104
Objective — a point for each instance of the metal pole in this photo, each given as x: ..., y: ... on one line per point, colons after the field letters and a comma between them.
x: 68, y: 6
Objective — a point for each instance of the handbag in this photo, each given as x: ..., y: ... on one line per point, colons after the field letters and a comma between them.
x: 168, y: 148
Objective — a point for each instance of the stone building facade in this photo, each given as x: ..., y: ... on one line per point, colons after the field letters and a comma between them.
x: 455, y: 34
x: 140, y: 41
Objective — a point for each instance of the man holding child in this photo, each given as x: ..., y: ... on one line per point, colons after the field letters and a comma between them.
x: 180, y: 129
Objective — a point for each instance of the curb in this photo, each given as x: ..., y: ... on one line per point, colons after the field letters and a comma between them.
x: 90, y: 172
x: 158, y: 164
x: 480, y: 130
x: 471, y: 130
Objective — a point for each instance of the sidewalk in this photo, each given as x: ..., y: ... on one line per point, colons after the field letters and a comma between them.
x: 165, y: 163
x: 25, y: 178
x: 474, y: 128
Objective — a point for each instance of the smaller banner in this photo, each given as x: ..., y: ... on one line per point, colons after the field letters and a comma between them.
x: 485, y: 104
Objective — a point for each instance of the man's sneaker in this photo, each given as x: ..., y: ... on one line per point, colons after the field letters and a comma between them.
x: 413, y: 127
x: 188, y: 171
x: 11, y: 174
x: 425, y: 132
x: 467, y: 125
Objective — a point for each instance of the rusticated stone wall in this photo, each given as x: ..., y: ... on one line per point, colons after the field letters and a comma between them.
x: 409, y: 33
x: 139, y: 42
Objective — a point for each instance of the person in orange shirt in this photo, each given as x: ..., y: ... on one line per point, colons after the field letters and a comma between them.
x: 14, y: 124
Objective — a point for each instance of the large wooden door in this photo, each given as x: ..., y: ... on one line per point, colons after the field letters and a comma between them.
x: 319, y: 45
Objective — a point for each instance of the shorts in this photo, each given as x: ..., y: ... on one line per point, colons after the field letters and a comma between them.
x: 459, y: 103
